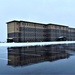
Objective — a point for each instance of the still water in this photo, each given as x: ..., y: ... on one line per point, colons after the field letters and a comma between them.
x: 44, y: 60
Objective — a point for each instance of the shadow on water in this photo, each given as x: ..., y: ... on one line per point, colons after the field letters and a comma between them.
x: 22, y: 56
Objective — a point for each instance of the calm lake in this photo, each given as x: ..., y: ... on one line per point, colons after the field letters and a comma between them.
x: 37, y: 60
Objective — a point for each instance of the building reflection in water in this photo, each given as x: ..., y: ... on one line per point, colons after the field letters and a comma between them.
x: 21, y: 56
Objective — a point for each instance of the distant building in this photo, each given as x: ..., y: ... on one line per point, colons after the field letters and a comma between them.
x: 24, y: 31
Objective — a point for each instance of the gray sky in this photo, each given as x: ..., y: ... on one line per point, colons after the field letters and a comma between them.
x: 44, y: 11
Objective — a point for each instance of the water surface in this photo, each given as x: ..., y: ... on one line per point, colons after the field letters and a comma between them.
x: 43, y: 60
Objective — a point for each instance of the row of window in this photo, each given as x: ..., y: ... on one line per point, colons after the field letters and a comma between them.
x: 71, y: 33
x: 31, y: 34
x: 58, y: 32
x: 31, y: 30
x: 53, y: 26
x: 48, y: 30
x: 42, y: 30
x: 23, y: 29
x: 32, y: 24
x: 32, y: 40
x: 13, y: 34
x: 39, y: 35
x: 24, y: 34
x: 58, y: 35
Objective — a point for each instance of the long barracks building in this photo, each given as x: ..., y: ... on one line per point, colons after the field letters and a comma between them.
x: 24, y: 31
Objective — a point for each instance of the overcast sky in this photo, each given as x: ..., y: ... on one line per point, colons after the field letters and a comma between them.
x: 44, y: 11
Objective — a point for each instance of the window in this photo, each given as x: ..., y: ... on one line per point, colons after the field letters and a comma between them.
x: 17, y: 29
x: 17, y: 23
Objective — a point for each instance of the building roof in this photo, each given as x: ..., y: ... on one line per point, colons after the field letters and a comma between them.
x: 25, y: 22
x: 57, y: 25
x: 36, y: 23
x: 12, y: 21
